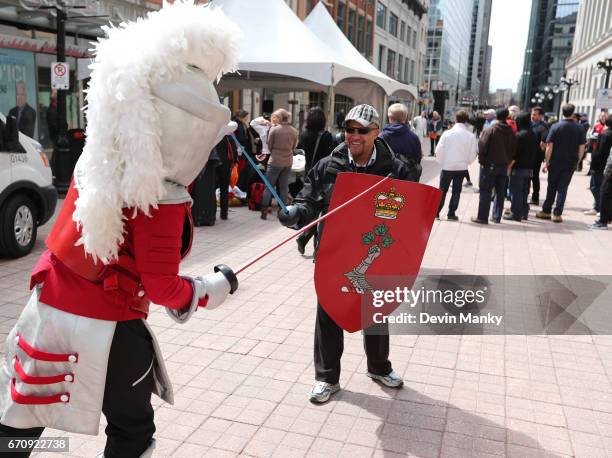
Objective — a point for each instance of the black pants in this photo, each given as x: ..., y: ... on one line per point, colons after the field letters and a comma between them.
x: 434, y: 143
x: 446, y: 178
x: 204, y: 209
x: 329, y: 345
x: 305, y: 236
x: 535, y: 180
x: 127, y: 395
x: 223, y: 174
x: 492, y: 177
x: 606, y: 201
x: 559, y: 179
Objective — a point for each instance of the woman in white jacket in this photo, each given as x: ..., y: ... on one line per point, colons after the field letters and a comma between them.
x: 457, y: 149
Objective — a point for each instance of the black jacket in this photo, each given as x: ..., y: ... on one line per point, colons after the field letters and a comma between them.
x: 497, y: 145
x: 307, y: 142
x: 27, y: 121
x: 527, y: 148
x: 313, y: 200
x: 600, y: 155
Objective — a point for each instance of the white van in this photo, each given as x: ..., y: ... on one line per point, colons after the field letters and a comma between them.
x: 27, y: 195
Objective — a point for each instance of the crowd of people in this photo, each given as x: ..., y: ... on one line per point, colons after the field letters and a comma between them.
x: 513, y: 150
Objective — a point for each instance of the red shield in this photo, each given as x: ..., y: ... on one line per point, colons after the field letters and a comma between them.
x: 373, y: 246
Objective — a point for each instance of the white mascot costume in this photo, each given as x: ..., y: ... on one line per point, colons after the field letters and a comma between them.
x: 82, y: 345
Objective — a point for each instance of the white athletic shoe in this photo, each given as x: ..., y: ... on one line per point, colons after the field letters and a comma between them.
x: 322, y: 391
x: 392, y: 379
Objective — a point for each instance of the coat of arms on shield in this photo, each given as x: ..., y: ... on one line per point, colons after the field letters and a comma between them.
x: 376, y: 243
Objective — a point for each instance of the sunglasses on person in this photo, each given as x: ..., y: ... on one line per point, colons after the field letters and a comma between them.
x: 359, y: 130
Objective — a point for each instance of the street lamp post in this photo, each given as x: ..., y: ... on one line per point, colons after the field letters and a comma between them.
x: 61, y: 148
x: 568, y: 83
x: 606, y: 66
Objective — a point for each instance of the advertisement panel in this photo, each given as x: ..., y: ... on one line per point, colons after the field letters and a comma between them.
x: 18, y: 88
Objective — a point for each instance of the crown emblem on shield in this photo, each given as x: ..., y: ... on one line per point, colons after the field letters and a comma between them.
x: 387, y: 204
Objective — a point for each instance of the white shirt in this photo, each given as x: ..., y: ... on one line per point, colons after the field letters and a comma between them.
x: 420, y: 126
x: 457, y: 148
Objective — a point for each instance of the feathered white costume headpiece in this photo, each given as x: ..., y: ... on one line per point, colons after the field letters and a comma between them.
x: 140, y: 71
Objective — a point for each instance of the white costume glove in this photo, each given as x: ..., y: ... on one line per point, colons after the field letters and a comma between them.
x: 215, y: 287
x: 218, y: 285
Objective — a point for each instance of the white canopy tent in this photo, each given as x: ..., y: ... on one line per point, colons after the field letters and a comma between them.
x: 285, y: 53
x: 321, y: 24
x: 279, y: 51
x: 276, y: 41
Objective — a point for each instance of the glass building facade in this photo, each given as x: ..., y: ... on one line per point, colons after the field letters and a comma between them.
x: 448, y: 46
x: 549, y: 45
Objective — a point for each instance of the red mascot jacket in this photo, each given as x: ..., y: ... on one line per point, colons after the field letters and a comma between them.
x: 146, y: 270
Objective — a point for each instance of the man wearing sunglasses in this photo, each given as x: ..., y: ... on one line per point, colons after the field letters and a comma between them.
x: 361, y: 152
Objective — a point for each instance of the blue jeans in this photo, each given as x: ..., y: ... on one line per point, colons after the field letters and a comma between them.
x: 280, y: 176
x: 559, y: 179
x: 492, y: 177
x: 519, y: 185
x: 597, y: 178
x: 446, y: 177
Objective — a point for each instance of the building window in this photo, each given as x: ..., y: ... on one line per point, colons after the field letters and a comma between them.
x: 391, y: 63
x: 406, y: 70
x: 368, y: 39
x: 408, y: 35
x: 381, y: 16
x: 351, y: 26
x: 360, y: 33
x: 402, y: 31
x: 414, y: 40
x: 400, y: 67
x: 341, y: 12
x: 393, y: 25
x: 412, y: 65
x: 381, y: 55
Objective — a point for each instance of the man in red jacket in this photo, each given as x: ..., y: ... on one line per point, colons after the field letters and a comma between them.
x: 81, y: 345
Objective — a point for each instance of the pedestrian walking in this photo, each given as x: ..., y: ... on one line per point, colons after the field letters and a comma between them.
x: 419, y: 124
x: 521, y: 168
x: 565, y: 146
x: 282, y: 140
x: 490, y: 119
x: 402, y: 140
x: 496, y: 150
x: 434, y: 130
x: 540, y: 129
x: 601, y: 166
x: 457, y: 149
x: 317, y: 143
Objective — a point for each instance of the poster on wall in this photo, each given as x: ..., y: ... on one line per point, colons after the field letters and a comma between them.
x: 18, y: 88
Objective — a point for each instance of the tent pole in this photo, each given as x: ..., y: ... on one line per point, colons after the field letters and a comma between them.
x: 331, y: 115
x: 383, y: 113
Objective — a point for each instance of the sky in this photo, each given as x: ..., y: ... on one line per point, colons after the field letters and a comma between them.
x: 508, y: 36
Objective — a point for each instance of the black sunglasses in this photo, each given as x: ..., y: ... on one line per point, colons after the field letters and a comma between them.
x: 359, y: 130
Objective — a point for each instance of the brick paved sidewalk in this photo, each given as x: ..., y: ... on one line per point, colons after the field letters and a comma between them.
x: 242, y: 372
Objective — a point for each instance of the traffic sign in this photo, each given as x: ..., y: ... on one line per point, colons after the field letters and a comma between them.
x: 60, y: 75
x: 604, y: 99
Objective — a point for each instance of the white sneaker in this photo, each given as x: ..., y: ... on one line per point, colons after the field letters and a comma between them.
x: 322, y: 391
x: 591, y: 212
x: 392, y: 379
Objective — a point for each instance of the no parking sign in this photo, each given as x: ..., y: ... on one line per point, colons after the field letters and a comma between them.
x: 60, y: 75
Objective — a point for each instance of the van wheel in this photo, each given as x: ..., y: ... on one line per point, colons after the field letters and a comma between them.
x: 17, y: 226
